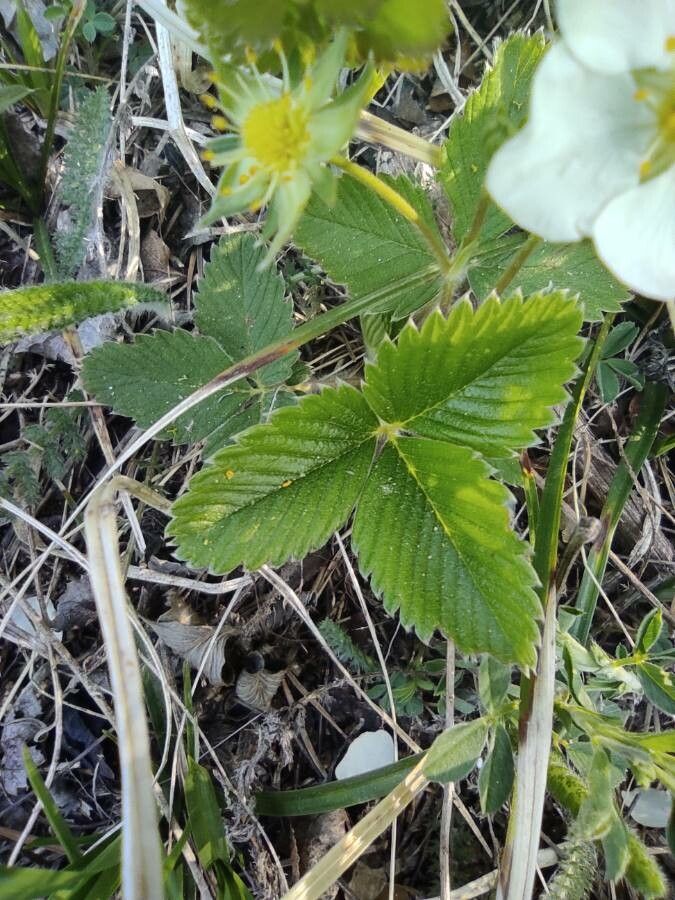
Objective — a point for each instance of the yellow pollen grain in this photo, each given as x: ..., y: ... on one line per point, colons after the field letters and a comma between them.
x: 670, y: 43
x: 641, y: 94
x: 244, y: 178
x: 645, y: 168
x: 286, y: 484
x: 229, y: 474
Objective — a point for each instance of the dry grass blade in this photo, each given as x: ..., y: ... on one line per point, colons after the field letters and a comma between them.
x: 141, y: 860
x: 345, y: 853
x: 519, y: 860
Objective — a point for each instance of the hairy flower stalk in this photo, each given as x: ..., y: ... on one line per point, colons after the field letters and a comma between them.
x: 281, y: 136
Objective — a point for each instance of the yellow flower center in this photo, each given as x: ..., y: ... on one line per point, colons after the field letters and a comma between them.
x: 656, y: 89
x: 276, y: 134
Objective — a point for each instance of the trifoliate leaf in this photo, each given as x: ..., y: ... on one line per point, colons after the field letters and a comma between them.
x: 29, y: 310
x: 242, y: 306
x: 145, y: 379
x: 282, y: 489
x: 427, y: 522
x: 573, y: 267
x: 455, y: 752
x: 491, y: 114
x: 496, y: 777
x: 239, y: 310
x: 364, y: 243
x: 484, y: 379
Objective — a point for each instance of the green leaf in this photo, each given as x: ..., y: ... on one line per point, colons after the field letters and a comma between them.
x: 496, y: 776
x: 29, y: 884
x: 393, y: 30
x: 619, y: 338
x: 494, y: 680
x: 365, y: 244
x: 242, y: 306
x: 333, y: 795
x: 401, y: 28
x: 104, y: 22
x: 29, y: 310
x: 204, y: 815
x: 616, y: 850
x: 598, y: 813
x: 608, y: 383
x: 427, y: 523
x: 145, y: 379
x: 658, y: 687
x: 491, y: 114
x: 484, y: 379
x: 11, y: 94
x: 282, y: 489
x: 573, y: 267
x: 455, y: 752
x: 58, y: 824
x: 649, y: 631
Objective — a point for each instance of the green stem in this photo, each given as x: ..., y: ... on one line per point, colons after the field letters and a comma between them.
x: 516, y: 263
x: 634, y: 455
x: 546, y: 546
x: 478, y: 220
x: 401, y: 205
x: 72, y: 22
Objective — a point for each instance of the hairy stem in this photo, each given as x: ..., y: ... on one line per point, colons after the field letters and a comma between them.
x: 517, y: 263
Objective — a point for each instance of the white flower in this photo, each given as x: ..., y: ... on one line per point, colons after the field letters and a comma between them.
x: 597, y: 155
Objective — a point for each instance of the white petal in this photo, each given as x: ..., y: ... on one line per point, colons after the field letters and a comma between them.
x: 618, y: 35
x: 635, y: 237
x: 370, y: 750
x: 582, y: 145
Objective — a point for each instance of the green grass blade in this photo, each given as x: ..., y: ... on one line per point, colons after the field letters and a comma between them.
x: 333, y: 795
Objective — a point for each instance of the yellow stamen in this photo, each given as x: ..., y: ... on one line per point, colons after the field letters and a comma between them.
x: 209, y: 101
x: 286, y: 484
x: 645, y: 168
x: 276, y: 135
x: 208, y: 155
x: 250, y: 56
x: 225, y: 191
x: 244, y: 178
x: 229, y: 474
x: 219, y: 123
x: 641, y: 94
x: 277, y: 46
x: 670, y: 43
